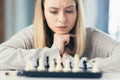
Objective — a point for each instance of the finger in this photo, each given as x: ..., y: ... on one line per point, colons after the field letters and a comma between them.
x: 64, y: 55
x: 72, y: 35
x: 66, y: 42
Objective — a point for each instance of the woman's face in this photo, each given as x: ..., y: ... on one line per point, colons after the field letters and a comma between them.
x: 60, y: 15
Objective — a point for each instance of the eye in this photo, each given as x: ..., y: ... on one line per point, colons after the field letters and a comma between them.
x: 69, y: 11
x: 53, y: 12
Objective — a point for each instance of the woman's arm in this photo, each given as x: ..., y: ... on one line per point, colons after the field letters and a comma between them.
x: 104, y: 51
x: 15, y: 51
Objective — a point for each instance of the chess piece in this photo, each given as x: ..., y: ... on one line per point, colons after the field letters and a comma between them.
x: 58, y: 67
x: 95, y: 68
x: 67, y: 66
x: 29, y: 65
x: 51, y: 65
x: 84, y: 62
x: 76, y: 64
x: 41, y: 66
x: 84, y: 65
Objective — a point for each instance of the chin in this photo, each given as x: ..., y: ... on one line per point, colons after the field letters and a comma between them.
x: 62, y: 33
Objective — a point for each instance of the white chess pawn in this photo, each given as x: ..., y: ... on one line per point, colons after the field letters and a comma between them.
x: 67, y: 66
x: 58, y: 67
x: 51, y: 65
x: 41, y: 66
x: 95, y: 68
x: 29, y: 65
x: 76, y: 64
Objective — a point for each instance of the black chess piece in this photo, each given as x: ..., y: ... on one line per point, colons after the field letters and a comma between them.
x: 47, y: 61
x: 84, y: 65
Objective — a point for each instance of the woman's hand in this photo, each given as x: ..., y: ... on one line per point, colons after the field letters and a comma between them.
x: 60, y: 41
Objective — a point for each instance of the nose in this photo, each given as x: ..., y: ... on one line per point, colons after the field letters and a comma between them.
x: 62, y: 18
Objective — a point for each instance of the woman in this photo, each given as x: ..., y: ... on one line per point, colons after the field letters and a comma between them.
x: 59, y: 31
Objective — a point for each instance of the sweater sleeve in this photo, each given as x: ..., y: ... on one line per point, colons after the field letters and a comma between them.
x: 105, y: 51
x: 15, y: 51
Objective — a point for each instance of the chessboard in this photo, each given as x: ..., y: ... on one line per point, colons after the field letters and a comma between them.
x: 56, y: 68
x: 60, y: 74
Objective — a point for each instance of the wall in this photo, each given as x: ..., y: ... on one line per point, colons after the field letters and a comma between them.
x: 97, y: 13
x: 18, y: 14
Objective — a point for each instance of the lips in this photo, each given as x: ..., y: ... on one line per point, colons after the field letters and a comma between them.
x: 61, y: 27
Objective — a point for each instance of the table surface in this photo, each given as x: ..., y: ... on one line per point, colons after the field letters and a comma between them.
x: 12, y: 75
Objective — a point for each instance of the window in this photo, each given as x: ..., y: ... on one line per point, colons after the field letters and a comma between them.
x: 114, y: 19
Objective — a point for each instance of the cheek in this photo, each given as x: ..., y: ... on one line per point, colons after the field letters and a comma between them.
x: 50, y: 22
x: 72, y: 20
x: 49, y: 18
x: 46, y: 17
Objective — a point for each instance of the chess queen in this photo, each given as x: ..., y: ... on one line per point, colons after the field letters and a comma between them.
x: 59, y: 30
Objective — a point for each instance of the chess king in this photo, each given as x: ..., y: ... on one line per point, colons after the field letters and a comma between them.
x: 59, y: 32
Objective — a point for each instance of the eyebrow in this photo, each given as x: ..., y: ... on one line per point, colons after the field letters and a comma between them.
x: 65, y: 7
x: 69, y: 6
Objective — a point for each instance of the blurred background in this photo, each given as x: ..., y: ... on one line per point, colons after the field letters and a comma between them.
x: 18, y: 14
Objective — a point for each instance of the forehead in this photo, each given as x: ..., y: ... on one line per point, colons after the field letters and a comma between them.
x: 59, y: 3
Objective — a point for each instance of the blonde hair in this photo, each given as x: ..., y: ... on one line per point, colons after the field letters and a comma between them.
x: 40, y: 28
x: 80, y: 30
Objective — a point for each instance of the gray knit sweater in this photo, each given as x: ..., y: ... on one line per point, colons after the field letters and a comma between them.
x: 100, y: 48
